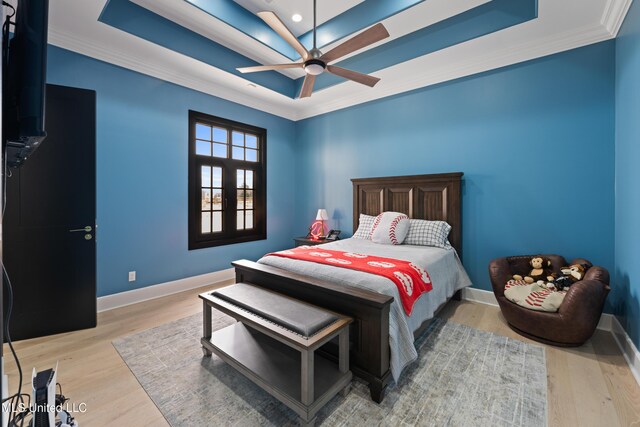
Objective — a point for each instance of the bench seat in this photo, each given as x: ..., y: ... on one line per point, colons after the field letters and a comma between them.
x: 291, y: 314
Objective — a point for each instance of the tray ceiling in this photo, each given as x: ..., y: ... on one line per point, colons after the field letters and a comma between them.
x: 199, y: 43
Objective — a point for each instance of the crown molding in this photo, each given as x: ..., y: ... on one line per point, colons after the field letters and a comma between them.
x: 614, y: 15
x: 402, y: 77
x: 166, y: 73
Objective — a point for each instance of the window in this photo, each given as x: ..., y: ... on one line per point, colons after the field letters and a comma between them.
x: 227, y: 182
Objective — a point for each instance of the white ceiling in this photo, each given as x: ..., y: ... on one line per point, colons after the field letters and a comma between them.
x: 285, y: 9
x: 561, y: 25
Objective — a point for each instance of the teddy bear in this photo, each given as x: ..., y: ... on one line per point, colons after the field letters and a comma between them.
x: 540, y: 270
x: 570, y: 275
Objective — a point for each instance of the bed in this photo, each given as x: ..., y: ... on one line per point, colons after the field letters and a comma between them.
x: 382, y: 334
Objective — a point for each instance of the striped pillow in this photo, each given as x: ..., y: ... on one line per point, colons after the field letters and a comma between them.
x: 428, y: 233
x: 365, y: 225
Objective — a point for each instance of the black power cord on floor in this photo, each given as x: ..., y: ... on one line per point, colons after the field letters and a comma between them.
x: 16, y: 401
x: 16, y: 405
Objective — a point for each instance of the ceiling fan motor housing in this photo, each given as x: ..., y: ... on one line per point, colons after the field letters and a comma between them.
x: 314, y: 67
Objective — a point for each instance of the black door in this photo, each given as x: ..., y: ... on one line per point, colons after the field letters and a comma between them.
x: 49, y: 224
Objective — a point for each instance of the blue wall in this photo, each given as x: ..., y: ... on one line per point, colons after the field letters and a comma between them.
x: 534, y: 140
x: 142, y: 174
x: 627, y: 241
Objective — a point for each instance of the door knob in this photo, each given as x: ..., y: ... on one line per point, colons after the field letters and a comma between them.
x: 86, y: 229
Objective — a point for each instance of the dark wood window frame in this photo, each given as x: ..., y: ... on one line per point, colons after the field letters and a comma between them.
x: 229, y: 234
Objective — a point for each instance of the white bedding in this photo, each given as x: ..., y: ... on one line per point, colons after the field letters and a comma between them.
x: 444, y: 268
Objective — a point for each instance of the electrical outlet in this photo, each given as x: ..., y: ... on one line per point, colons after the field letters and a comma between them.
x: 132, y: 276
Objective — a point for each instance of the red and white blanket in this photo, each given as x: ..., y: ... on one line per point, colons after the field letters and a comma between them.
x: 411, y: 280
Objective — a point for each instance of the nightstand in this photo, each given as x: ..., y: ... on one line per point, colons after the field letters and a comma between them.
x: 301, y: 241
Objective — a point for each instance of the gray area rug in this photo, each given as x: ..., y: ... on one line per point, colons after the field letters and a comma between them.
x: 464, y: 377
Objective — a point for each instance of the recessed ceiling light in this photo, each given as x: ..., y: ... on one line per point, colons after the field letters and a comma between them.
x: 296, y: 17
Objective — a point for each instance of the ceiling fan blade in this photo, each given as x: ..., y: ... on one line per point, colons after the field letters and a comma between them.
x: 279, y: 27
x: 307, y: 86
x: 374, y: 34
x: 270, y: 67
x: 364, y: 79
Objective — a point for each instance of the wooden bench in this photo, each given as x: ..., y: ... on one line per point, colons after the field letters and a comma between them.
x: 275, y: 336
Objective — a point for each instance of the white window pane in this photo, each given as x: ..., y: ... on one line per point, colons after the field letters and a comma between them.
x: 240, y: 178
x: 251, y: 141
x: 252, y: 155
x: 240, y: 220
x: 220, y: 150
x: 216, y: 199
x: 240, y: 199
x: 237, y: 138
x: 217, y: 177
x: 248, y: 199
x: 206, y: 222
x: 203, y: 132
x: 203, y: 148
x: 206, y: 176
x: 217, y: 222
x: 249, y: 179
x: 206, y: 199
x: 220, y: 135
x: 238, y: 153
x: 248, y: 219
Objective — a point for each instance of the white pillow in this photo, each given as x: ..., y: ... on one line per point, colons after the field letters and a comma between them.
x: 428, y: 233
x: 365, y: 224
x: 390, y: 228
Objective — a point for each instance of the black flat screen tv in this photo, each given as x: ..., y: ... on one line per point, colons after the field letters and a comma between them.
x: 24, y: 81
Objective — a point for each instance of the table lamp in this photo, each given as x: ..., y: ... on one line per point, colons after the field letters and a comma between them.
x: 319, y: 227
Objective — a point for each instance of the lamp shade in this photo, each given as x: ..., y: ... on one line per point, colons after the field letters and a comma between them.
x: 322, y: 215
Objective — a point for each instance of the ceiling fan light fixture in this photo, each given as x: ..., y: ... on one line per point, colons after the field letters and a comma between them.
x: 313, y: 61
x: 314, y: 67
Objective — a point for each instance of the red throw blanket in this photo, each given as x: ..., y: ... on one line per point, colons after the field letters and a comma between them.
x: 411, y: 280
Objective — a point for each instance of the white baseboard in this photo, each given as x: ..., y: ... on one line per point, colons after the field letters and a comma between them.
x: 479, y: 295
x: 628, y: 348
x: 122, y: 299
x: 608, y: 322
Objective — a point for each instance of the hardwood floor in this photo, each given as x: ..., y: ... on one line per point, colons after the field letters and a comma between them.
x: 588, y: 386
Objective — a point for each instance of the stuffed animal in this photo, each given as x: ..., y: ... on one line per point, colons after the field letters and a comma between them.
x: 570, y: 275
x: 540, y: 271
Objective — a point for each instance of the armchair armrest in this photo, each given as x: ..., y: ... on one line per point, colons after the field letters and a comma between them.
x: 598, y: 274
x: 500, y: 273
x: 584, y: 301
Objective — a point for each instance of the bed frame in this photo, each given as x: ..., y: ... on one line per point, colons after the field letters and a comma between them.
x: 434, y: 197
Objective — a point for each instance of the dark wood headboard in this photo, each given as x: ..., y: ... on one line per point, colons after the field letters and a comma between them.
x: 434, y: 197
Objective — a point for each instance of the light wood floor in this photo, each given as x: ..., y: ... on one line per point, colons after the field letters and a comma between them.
x: 588, y: 386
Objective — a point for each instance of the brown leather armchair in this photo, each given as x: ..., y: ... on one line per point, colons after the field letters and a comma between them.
x: 578, y: 316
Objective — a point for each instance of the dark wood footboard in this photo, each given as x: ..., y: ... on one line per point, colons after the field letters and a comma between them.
x: 369, y: 335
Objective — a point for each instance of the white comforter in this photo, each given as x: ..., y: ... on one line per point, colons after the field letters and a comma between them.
x: 444, y: 268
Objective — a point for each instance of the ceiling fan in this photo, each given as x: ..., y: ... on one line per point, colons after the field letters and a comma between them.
x: 314, y: 62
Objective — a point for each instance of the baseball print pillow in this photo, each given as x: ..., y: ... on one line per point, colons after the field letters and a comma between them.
x: 390, y: 228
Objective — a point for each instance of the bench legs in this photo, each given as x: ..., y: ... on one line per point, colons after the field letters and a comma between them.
x: 206, y: 326
x: 308, y: 387
x: 310, y: 423
x: 343, y: 357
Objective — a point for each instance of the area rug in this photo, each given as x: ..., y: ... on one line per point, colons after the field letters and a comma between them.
x: 463, y: 377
